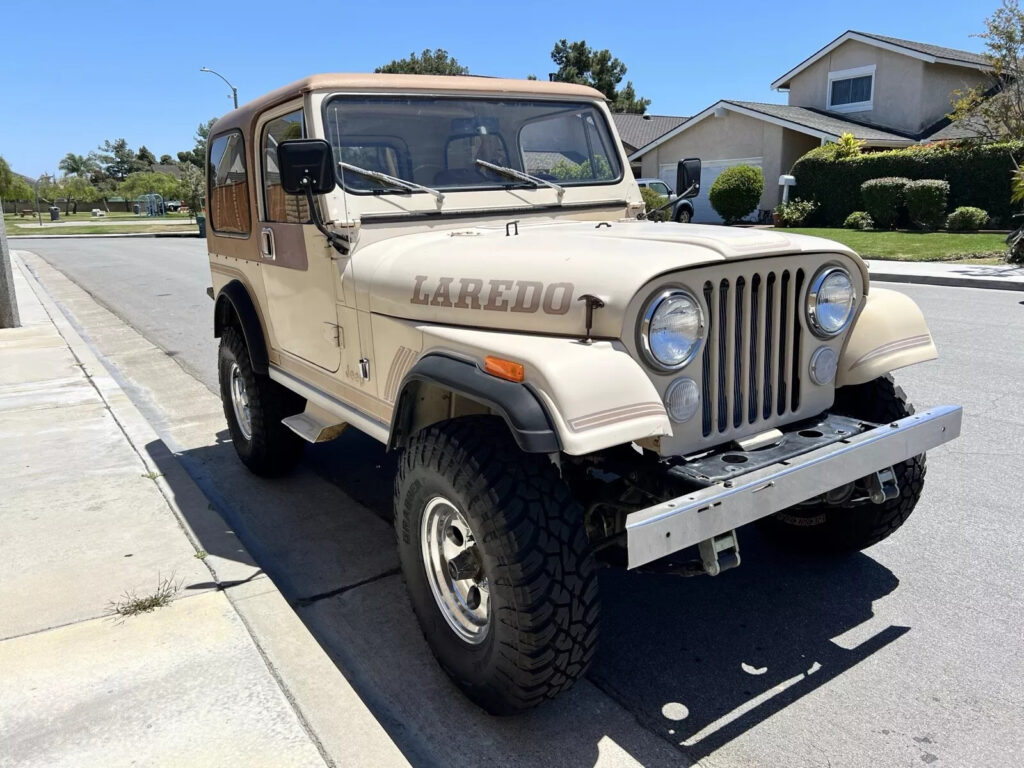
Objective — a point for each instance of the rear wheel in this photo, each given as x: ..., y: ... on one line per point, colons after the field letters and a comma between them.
x: 850, y: 525
x: 497, y: 563
x: 254, y: 406
x: 684, y: 215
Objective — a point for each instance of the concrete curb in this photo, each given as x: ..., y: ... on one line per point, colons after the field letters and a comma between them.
x: 990, y: 283
x: 292, y: 655
x: 112, y: 234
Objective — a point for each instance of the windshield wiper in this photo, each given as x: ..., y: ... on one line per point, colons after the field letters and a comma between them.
x: 512, y: 173
x: 394, y: 181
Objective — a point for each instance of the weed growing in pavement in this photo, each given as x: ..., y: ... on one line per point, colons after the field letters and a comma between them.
x: 152, y: 475
x: 131, y: 604
x: 201, y: 554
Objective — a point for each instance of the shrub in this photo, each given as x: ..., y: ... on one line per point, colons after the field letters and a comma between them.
x: 653, y: 200
x: 794, y: 213
x: 926, y: 202
x: 979, y: 175
x: 883, y: 199
x: 966, y: 219
x: 736, y: 192
x: 859, y: 220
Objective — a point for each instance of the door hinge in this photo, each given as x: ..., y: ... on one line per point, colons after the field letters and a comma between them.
x: 335, y: 334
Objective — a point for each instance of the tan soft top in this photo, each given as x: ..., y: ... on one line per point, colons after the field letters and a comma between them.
x: 244, y: 116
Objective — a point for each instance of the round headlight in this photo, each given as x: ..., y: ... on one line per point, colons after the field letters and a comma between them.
x: 830, y: 301
x: 671, y: 329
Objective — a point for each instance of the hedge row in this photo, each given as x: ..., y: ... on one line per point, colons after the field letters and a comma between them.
x: 978, y: 175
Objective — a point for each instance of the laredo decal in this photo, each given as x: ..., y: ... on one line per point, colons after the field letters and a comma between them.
x: 495, y: 295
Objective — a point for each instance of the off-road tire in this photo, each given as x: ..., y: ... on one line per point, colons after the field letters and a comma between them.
x: 272, y: 449
x: 852, y: 527
x: 543, y: 626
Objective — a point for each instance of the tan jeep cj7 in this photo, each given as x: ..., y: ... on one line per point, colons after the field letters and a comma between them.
x: 461, y: 268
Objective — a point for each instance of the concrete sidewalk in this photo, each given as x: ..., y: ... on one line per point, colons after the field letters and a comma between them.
x: 88, y: 521
x: 1003, y: 277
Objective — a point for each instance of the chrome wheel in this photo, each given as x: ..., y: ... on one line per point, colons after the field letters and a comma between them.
x: 240, y: 401
x: 455, y: 570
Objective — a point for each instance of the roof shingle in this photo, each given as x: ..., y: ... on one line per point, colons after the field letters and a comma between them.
x: 820, y: 121
x: 639, y: 130
x: 955, y: 54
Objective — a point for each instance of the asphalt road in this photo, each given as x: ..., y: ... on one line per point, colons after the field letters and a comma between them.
x: 907, y: 654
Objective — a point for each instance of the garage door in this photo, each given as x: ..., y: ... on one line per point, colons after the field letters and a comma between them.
x: 703, y: 213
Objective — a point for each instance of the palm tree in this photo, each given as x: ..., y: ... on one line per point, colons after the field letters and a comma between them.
x: 77, y: 165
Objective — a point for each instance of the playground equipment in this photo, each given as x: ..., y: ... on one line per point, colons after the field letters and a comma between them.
x: 150, y: 205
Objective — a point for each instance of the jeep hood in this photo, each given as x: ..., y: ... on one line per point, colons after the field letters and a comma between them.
x: 480, y: 276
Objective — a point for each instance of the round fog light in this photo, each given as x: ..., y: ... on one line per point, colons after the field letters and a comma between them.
x: 823, y: 365
x: 682, y: 399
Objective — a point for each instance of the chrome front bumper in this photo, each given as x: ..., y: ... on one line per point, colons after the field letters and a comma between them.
x: 698, y: 516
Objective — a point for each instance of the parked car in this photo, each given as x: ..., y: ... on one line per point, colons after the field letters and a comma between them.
x: 172, y: 205
x: 682, y: 211
x: 456, y: 266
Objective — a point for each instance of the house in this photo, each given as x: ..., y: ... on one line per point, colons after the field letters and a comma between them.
x: 637, y: 131
x: 885, y: 91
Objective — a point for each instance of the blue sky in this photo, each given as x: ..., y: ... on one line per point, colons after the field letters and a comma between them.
x: 93, y: 70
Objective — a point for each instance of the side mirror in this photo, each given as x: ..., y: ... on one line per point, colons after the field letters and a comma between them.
x: 688, y: 177
x: 306, y: 165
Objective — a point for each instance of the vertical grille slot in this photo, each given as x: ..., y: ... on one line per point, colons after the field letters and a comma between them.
x: 795, y: 385
x: 740, y: 341
x: 725, y: 351
x: 785, y: 348
x: 771, y: 341
x: 706, y: 366
x: 756, y: 323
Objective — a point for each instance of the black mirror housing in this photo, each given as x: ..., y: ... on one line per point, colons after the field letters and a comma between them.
x: 688, y: 177
x: 306, y: 164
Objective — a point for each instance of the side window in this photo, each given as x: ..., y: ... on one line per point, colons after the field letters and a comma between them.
x: 229, y: 185
x: 278, y: 206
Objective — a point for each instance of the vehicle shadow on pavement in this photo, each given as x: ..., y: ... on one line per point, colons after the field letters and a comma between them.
x: 696, y: 662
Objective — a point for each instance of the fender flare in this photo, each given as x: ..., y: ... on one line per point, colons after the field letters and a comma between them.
x: 234, y: 297
x: 515, y: 403
x: 889, y: 333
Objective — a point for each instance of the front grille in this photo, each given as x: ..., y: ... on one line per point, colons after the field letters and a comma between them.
x: 751, y: 361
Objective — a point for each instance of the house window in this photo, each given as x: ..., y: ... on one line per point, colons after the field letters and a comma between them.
x: 851, y: 90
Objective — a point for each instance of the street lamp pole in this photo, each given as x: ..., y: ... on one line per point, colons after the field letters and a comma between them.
x: 234, y: 91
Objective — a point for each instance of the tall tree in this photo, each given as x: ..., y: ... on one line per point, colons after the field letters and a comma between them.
x: 117, y: 159
x: 166, y: 160
x: 148, y: 182
x: 145, y: 157
x: 13, y: 186
x: 197, y: 155
x: 579, y: 63
x: 995, y: 110
x: 78, y: 165
x: 436, y: 62
x: 191, y: 188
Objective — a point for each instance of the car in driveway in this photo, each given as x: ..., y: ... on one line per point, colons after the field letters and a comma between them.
x: 682, y: 210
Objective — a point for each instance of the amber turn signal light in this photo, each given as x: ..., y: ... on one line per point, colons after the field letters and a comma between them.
x: 503, y: 369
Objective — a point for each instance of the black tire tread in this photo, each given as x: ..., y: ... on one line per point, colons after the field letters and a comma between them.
x: 543, y: 559
x: 852, y: 528
x: 274, y: 449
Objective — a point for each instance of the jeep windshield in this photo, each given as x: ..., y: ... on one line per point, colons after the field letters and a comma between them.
x: 463, y: 144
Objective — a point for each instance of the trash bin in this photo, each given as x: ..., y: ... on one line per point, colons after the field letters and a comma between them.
x: 136, y: 209
x: 54, y: 213
x: 201, y: 221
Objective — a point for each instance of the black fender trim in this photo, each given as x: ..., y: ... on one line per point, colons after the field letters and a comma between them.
x: 515, y: 403
x: 233, y: 296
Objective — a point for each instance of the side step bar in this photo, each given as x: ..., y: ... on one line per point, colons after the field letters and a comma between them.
x: 702, y: 515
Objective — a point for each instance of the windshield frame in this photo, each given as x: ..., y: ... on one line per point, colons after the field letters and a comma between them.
x: 614, y: 148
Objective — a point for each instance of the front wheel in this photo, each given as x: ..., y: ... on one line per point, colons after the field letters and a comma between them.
x: 684, y: 215
x: 497, y: 563
x: 853, y: 523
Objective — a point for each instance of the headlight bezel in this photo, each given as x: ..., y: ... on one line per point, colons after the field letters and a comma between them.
x: 811, y: 304
x: 646, y: 317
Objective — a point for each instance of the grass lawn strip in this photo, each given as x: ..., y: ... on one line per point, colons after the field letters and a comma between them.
x: 917, y: 246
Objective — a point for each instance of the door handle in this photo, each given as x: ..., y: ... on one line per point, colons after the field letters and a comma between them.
x: 267, y: 243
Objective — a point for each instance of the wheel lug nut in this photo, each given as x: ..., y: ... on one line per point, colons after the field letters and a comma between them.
x: 473, y: 598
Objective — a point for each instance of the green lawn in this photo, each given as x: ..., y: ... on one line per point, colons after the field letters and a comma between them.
x: 916, y: 246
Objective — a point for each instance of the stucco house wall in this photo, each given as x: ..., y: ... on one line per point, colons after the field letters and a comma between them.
x: 909, y: 94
